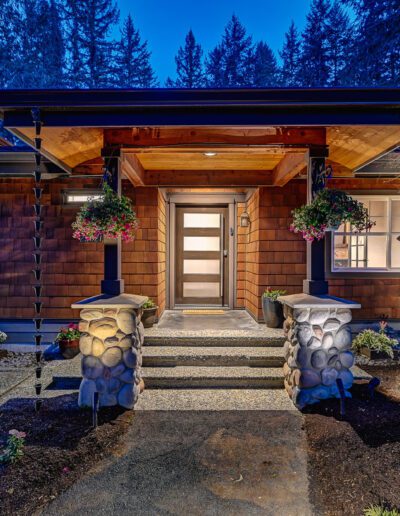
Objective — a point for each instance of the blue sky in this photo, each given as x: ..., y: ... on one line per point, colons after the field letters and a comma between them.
x: 164, y: 23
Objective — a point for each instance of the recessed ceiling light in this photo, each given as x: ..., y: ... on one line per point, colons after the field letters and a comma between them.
x: 210, y: 154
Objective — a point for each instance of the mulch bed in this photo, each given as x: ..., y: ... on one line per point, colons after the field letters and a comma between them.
x: 61, y: 446
x: 354, y: 461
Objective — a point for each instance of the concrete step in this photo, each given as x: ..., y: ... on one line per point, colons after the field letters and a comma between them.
x: 209, y: 377
x: 229, y: 340
x: 214, y: 399
x: 163, y: 356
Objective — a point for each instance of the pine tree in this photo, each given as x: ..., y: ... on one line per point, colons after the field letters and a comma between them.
x: 91, y: 53
x: 235, y: 57
x: 290, y: 55
x: 266, y: 71
x: 9, y: 47
x: 339, y: 41
x: 132, y: 57
x: 314, y: 69
x: 375, y: 57
x: 54, y: 48
x: 189, y: 66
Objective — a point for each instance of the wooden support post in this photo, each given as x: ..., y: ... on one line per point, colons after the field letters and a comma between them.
x: 112, y: 284
x: 316, y: 284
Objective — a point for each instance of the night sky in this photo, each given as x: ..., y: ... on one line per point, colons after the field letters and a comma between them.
x: 164, y: 23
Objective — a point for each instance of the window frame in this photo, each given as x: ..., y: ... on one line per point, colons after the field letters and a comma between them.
x: 388, y: 269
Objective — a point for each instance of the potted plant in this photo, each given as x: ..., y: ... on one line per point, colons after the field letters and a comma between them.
x: 68, y: 340
x: 328, y: 210
x: 108, y: 217
x: 375, y: 344
x: 149, y: 313
x: 3, y: 337
x: 272, y: 308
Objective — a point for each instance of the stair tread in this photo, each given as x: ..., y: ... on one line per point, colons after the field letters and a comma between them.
x: 212, y: 372
x: 199, y: 351
x: 214, y: 399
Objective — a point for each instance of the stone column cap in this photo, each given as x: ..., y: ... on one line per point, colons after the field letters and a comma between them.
x: 308, y: 301
x: 107, y: 301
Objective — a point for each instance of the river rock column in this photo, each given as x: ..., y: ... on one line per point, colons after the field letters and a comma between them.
x: 111, y: 346
x: 318, y: 347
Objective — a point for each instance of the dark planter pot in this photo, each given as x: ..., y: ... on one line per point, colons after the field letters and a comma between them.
x: 374, y: 355
x: 149, y: 317
x: 273, y: 313
x: 69, y: 348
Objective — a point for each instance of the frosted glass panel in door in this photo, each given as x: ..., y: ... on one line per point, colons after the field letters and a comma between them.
x: 207, y: 243
x: 204, y: 289
x: 201, y: 220
x: 200, y: 266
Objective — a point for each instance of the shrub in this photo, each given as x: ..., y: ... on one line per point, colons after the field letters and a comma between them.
x: 376, y: 510
x: 14, y: 448
x: 375, y: 341
x: 3, y: 337
x: 149, y: 304
x: 273, y: 294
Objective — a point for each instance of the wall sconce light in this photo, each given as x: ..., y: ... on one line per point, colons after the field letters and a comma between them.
x: 244, y: 220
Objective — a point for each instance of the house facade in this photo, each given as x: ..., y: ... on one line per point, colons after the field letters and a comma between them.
x: 213, y: 176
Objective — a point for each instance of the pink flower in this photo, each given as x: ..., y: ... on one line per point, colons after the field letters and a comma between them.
x: 16, y: 433
x: 66, y: 469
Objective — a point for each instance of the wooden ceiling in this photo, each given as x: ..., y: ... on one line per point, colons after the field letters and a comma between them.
x: 252, y: 156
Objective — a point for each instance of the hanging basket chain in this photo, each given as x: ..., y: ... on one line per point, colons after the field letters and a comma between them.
x: 37, y: 255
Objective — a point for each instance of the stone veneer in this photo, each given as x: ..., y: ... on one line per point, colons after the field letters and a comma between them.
x: 318, y: 347
x: 111, y: 345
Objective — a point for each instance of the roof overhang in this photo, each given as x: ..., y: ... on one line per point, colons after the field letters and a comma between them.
x: 179, y: 107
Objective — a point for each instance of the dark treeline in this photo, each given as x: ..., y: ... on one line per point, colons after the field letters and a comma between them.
x: 68, y: 43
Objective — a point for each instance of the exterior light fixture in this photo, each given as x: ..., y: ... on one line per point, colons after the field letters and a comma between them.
x: 210, y: 154
x: 244, y: 220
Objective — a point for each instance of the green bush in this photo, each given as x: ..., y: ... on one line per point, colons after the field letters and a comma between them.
x: 376, y: 510
x: 273, y: 294
x: 375, y: 341
x: 149, y: 304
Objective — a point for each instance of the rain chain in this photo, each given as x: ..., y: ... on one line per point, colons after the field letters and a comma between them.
x: 37, y: 254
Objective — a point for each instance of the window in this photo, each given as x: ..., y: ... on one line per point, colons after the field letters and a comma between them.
x: 74, y: 197
x: 374, y: 250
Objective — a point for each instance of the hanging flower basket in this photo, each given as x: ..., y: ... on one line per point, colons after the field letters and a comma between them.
x: 328, y: 210
x: 111, y: 216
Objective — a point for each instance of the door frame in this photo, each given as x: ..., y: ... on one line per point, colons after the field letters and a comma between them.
x: 228, y: 199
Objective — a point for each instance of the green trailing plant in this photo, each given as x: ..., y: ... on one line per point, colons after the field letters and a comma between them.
x: 377, y: 510
x: 14, y: 448
x: 110, y: 216
x: 71, y: 332
x: 149, y: 304
x: 375, y: 341
x: 3, y: 337
x: 273, y: 294
x: 328, y: 210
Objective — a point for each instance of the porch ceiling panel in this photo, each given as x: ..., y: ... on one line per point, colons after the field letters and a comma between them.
x: 355, y: 146
x: 199, y: 161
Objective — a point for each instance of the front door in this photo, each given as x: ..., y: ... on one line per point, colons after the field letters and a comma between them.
x: 201, y: 255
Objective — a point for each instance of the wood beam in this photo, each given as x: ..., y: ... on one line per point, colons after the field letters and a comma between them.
x: 178, y: 136
x: 203, y: 178
x: 289, y: 167
x: 132, y: 169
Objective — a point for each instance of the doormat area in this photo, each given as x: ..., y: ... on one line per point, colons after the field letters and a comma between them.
x: 203, y: 312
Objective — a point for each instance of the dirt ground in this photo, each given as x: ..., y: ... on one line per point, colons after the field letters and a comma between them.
x: 354, y: 461
x: 60, y: 447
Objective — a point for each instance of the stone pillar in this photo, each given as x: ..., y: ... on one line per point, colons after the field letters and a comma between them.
x: 318, y: 347
x: 111, y: 342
